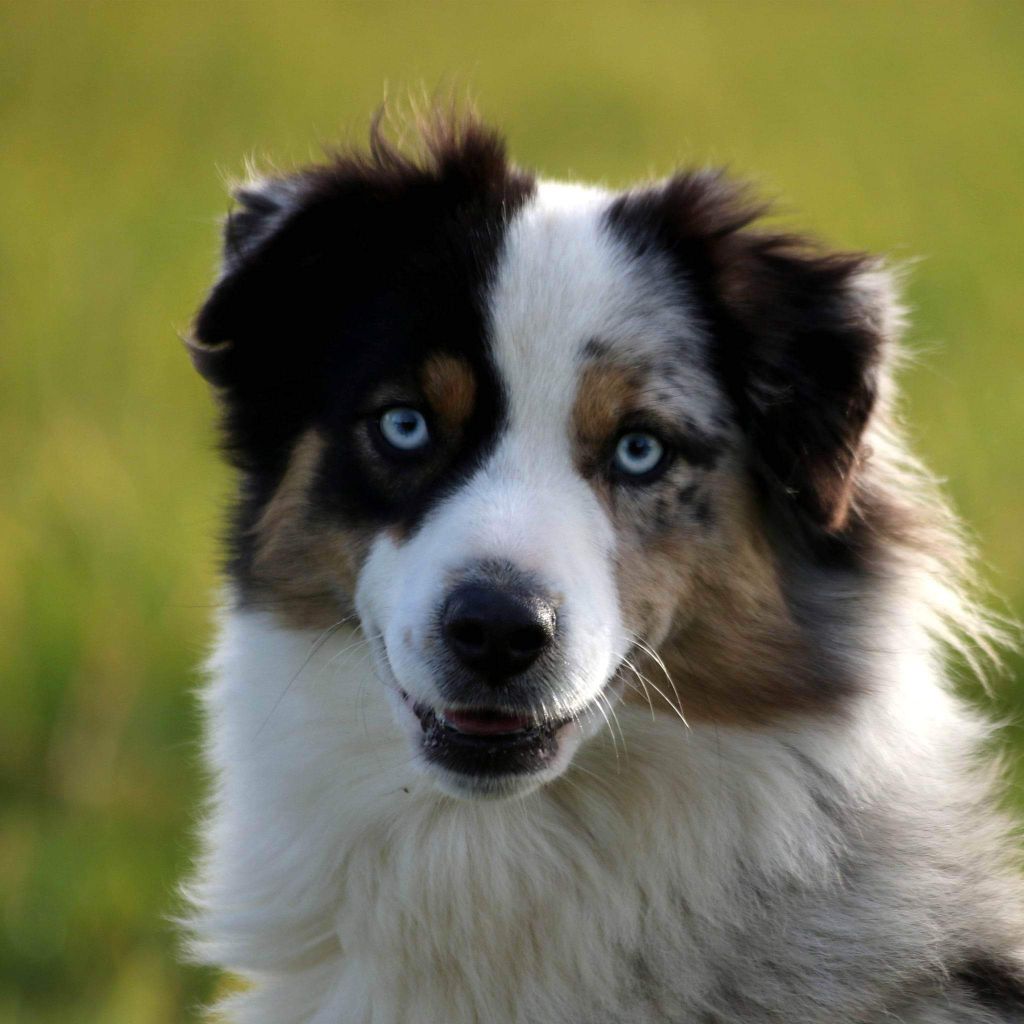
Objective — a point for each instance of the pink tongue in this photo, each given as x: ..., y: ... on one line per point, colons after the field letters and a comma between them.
x: 484, y: 723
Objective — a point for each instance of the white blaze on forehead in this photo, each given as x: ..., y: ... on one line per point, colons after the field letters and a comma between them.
x: 564, y: 278
x: 560, y: 282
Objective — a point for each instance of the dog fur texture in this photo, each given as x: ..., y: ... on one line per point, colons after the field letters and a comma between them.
x: 735, y: 786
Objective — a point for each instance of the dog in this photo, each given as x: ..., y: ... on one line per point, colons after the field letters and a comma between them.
x: 583, y: 657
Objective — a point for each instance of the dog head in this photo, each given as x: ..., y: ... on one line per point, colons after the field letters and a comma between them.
x: 545, y: 441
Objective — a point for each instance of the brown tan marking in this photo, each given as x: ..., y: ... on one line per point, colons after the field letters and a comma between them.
x: 606, y: 393
x: 711, y: 602
x: 450, y: 388
x: 304, y: 568
x: 718, y: 617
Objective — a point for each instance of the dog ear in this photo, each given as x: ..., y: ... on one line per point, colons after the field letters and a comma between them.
x: 238, y: 300
x: 802, y: 355
x: 300, y: 249
x: 797, y: 335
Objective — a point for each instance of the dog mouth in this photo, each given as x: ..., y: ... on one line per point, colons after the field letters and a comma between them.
x: 485, y: 741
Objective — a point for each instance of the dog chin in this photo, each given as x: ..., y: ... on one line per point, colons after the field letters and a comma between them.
x: 492, y: 787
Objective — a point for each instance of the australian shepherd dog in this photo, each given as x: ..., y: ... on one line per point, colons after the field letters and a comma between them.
x: 583, y: 655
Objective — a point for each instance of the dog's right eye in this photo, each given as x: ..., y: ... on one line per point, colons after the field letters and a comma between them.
x: 404, y: 428
x: 639, y: 456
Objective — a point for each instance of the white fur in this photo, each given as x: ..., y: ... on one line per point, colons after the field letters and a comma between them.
x: 351, y: 890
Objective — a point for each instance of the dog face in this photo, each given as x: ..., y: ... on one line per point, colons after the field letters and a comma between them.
x: 500, y: 614
x: 539, y: 438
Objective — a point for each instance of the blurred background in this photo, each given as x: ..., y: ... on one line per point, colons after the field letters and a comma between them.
x: 892, y: 127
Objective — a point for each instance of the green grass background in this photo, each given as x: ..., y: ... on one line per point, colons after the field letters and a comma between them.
x: 895, y: 127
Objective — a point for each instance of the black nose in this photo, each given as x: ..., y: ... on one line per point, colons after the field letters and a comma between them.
x: 497, y: 632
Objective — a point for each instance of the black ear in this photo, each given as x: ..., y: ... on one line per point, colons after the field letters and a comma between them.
x: 797, y: 335
x: 802, y: 357
x: 299, y: 248
x: 262, y: 209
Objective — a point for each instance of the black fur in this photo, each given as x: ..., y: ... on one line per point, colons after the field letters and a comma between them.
x: 996, y: 985
x: 343, y: 277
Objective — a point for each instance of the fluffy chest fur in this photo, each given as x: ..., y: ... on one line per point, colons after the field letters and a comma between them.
x: 581, y: 658
x: 691, y: 875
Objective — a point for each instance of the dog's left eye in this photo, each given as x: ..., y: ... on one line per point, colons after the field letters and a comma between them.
x: 404, y: 428
x: 638, y: 454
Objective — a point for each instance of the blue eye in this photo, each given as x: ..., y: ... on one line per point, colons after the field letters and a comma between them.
x: 404, y: 429
x: 638, y: 453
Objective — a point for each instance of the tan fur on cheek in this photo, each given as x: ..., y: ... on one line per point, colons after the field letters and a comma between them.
x: 654, y: 583
x: 303, y: 569
x: 730, y: 648
x: 711, y: 603
x: 450, y: 388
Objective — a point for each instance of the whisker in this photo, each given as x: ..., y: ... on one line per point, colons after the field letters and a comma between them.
x: 611, y: 732
x: 361, y: 642
x: 316, y: 646
x: 643, y: 682
x: 615, y: 719
x: 653, y: 654
x: 677, y: 704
